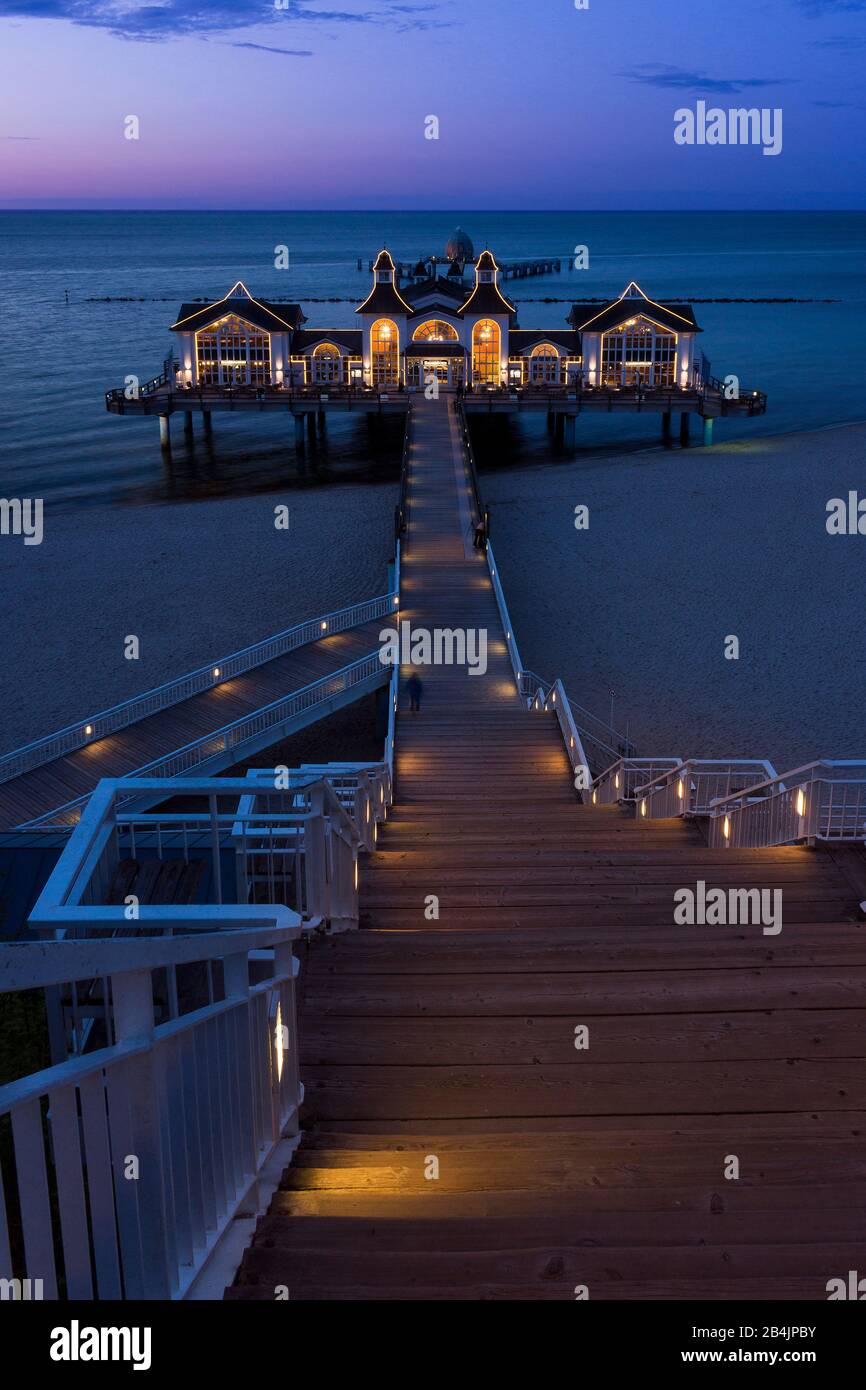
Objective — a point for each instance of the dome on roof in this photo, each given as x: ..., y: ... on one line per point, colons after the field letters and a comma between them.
x: 459, y: 247
x: 421, y: 270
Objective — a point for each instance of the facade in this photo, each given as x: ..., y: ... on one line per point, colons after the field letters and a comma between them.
x: 436, y: 326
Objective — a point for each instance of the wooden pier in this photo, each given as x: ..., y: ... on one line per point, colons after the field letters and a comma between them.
x: 509, y: 270
x: 457, y: 1144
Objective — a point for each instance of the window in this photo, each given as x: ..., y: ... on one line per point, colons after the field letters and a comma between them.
x: 435, y: 330
x: 233, y: 353
x: 384, y: 353
x: 327, y: 364
x: 486, y: 338
x: 638, y: 351
x: 544, y: 365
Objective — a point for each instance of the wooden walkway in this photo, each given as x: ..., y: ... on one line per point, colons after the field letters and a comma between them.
x: 457, y: 1144
x: 126, y: 752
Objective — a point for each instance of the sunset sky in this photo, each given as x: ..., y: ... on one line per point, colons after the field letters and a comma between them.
x: 541, y: 105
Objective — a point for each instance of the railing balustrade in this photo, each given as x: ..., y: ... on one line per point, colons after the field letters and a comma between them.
x: 619, y: 781
x: 823, y: 800
x: 94, y: 727
x: 691, y: 788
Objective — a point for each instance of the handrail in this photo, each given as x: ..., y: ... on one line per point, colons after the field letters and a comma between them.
x: 691, y: 788
x: 75, y: 736
x: 482, y: 512
x: 619, y: 781
x: 401, y: 511
x: 229, y: 736
x: 822, y: 800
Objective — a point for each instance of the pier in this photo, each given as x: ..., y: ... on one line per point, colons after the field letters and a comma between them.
x: 631, y: 355
x: 433, y: 1016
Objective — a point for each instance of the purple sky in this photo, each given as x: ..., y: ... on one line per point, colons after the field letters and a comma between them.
x: 540, y: 105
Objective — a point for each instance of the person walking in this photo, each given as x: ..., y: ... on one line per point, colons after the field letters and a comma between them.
x: 479, y: 540
x: 415, y: 690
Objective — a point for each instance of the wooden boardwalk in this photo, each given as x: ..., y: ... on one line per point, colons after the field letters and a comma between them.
x: 457, y: 1144
x: 124, y: 753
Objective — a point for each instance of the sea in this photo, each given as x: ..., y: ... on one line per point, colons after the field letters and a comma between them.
x: 89, y: 298
x: 684, y: 548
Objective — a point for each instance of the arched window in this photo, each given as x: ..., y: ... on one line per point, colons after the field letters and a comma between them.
x: 638, y: 351
x: 327, y: 364
x: 232, y: 352
x: 486, y: 338
x: 544, y: 365
x: 436, y: 331
x: 384, y: 353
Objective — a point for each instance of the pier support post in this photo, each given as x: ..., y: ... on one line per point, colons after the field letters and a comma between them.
x: 560, y: 427
x: 708, y: 430
x: 299, y: 431
x: 684, y: 429
x: 570, y: 422
x: 551, y: 422
x: 207, y: 421
x: 667, y: 421
x: 164, y: 435
x: 320, y: 421
x: 311, y: 424
x: 187, y: 426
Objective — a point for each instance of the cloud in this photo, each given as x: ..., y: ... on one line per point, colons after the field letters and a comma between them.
x: 20, y: 137
x: 842, y: 43
x: 198, y: 18
x: 266, y: 48
x: 678, y: 79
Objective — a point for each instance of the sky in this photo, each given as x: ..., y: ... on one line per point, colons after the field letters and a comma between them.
x: 292, y: 104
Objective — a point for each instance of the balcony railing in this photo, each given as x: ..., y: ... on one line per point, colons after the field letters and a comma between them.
x: 823, y: 800
x: 692, y: 787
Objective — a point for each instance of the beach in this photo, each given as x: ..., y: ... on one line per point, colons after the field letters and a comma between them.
x: 193, y: 581
x: 684, y: 549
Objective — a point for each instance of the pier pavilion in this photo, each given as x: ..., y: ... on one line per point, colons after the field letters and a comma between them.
x: 633, y: 354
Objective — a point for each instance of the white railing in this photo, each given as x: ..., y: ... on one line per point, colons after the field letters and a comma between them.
x: 157, y: 1140
x: 360, y: 675
x: 557, y: 703
x: 620, y: 781
x: 823, y: 800
x: 510, y: 639
x: 690, y: 789
x: 87, y: 731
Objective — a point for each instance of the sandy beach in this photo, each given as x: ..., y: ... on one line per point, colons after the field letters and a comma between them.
x: 193, y: 581
x: 684, y: 549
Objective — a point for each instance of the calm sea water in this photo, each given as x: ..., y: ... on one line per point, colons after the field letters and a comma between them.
x: 58, y: 439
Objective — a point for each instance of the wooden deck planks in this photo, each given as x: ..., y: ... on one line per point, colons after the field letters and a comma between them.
x: 453, y: 1037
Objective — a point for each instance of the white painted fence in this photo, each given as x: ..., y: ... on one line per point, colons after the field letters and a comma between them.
x: 823, y: 800
x: 691, y: 787
x: 154, y: 1142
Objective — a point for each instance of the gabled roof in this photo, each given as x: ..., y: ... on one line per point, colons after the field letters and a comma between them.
x: 437, y: 286
x: 679, y: 318
x: 274, y: 318
x: 384, y: 298
x: 349, y: 338
x: 487, y: 298
x: 523, y: 340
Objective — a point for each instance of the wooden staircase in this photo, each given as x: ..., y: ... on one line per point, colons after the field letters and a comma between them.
x: 457, y: 1143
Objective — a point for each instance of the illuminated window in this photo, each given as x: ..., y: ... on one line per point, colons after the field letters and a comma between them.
x: 327, y: 364
x: 233, y: 353
x: 384, y: 353
x: 544, y: 365
x: 435, y: 330
x: 638, y: 351
x: 485, y: 353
